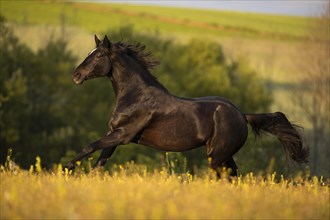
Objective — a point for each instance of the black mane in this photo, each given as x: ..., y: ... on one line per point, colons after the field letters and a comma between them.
x: 139, y: 53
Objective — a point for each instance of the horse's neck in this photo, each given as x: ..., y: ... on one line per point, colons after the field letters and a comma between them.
x: 131, y: 81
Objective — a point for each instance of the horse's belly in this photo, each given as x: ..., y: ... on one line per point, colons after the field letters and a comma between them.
x: 173, y: 134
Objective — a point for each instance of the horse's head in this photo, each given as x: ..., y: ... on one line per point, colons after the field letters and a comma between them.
x: 96, y: 64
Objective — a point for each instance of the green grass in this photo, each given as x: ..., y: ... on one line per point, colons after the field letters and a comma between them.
x: 96, y: 17
x: 257, y: 24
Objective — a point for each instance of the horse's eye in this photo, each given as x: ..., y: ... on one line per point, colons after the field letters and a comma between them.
x: 99, y: 55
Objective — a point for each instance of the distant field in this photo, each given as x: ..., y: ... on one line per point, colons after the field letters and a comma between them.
x: 125, y: 194
x: 269, y: 43
x: 168, y: 20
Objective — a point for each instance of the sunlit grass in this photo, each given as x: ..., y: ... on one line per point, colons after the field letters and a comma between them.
x: 130, y: 192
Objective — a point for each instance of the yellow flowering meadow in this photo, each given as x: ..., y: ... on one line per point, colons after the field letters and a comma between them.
x: 39, y: 194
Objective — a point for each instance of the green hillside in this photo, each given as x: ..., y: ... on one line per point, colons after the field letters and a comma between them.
x: 96, y: 17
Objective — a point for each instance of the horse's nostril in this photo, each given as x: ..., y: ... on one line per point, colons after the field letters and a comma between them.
x: 76, y: 74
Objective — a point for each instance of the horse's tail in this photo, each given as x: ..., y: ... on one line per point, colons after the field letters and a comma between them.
x: 278, y: 125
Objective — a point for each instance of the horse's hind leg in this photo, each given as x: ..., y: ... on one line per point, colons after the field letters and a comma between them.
x: 230, y: 133
x: 231, y: 166
x: 218, y: 163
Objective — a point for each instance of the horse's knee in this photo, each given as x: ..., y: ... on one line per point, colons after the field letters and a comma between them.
x: 88, y: 149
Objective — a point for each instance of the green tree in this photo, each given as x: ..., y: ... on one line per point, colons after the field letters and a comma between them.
x: 13, y: 87
x: 34, y: 99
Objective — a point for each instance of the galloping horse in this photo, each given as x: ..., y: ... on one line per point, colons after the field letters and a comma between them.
x: 147, y: 113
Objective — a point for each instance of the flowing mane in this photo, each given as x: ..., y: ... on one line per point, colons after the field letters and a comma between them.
x: 139, y: 53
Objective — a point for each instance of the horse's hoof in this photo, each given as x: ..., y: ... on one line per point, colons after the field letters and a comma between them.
x: 69, y: 167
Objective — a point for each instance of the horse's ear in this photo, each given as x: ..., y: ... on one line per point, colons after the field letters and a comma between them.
x: 106, y: 42
x: 97, y: 41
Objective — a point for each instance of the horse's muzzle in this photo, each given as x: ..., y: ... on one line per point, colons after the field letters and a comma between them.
x: 77, y: 78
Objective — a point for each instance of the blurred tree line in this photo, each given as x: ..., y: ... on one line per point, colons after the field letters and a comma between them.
x: 312, y: 97
x: 43, y: 113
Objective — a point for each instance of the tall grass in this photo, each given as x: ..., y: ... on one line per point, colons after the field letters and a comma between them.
x: 133, y: 193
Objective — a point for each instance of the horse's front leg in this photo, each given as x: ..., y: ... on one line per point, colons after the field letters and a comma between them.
x: 108, y: 142
x: 105, y: 155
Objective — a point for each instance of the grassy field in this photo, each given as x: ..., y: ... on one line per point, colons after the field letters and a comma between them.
x: 97, y: 17
x: 133, y: 193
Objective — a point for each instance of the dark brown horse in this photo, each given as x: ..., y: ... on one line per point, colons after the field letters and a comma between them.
x: 146, y: 113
